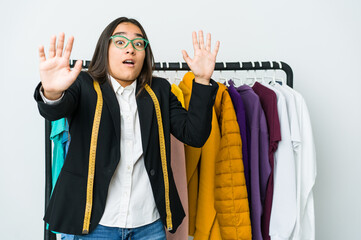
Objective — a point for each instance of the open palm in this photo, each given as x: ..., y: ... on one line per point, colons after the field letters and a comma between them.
x: 55, y: 73
x: 203, y: 62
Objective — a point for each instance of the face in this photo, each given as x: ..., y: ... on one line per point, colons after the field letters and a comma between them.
x: 125, y: 64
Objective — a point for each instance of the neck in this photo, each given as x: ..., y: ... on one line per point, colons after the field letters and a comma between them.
x: 124, y: 83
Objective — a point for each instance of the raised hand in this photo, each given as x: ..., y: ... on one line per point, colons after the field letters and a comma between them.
x: 203, y: 62
x: 55, y: 73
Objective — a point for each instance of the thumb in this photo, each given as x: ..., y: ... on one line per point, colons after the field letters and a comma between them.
x: 77, y: 68
x: 186, y: 58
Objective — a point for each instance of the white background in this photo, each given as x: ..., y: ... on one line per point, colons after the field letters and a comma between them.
x: 320, y: 40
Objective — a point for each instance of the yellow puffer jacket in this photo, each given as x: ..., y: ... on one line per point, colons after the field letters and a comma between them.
x: 231, y: 200
x: 200, y: 166
x: 218, y: 203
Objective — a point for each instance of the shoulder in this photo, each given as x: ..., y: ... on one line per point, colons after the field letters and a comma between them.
x: 158, y: 82
x: 85, y: 77
x: 83, y: 80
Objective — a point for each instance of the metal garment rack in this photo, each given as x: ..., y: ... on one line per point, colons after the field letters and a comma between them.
x: 159, y: 66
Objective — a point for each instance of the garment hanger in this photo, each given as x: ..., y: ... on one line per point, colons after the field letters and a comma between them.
x: 280, y: 80
x: 259, y: 79
x: 165, y: 72
x: 272, y: 79
x: 236, y: 79
x: 222, y: 79
x: 251, y: 80
x: 177, y: 78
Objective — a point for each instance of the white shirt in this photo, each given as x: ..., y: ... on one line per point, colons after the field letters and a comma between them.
x: 130, y: 202
x: 292, y: 117
x: 306, y: 173
x: 283, y: 213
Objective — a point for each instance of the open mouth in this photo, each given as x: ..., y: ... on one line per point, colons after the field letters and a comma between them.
x: 128, y: 62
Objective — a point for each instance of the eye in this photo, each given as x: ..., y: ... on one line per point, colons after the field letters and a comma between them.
x: 139, y: 43
x: 119, y: 42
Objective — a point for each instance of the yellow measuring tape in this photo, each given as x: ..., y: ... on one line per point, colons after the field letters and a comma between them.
x: 163, y: 155
x: 92, y: 155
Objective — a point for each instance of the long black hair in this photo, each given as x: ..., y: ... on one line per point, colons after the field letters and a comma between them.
x: 99, y: 65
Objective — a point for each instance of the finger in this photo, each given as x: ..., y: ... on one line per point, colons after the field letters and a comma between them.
x: 216, y: 48
x: 41, y: 53
x: 77, y: 68
x: 60, y: 45
x: 52, y: 46
x: 68, y: 47
x: 208, y: 46
x: 201, y: 39
x: 195, y: 41
x: 186, y: 58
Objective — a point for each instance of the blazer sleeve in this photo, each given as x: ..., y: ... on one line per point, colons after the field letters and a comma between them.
x: 65, y: 107
x: 193, y: 127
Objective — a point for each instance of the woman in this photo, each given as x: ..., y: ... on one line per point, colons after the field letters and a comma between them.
x: 133, y: 194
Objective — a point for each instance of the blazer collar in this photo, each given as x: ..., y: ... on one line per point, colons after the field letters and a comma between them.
x: 145, y: 110
x: 112, y: 103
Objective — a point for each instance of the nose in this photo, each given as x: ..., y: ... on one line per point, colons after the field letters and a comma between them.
x: 130, y: 49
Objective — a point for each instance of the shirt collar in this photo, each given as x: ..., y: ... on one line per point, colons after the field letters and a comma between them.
x: 119, y: 88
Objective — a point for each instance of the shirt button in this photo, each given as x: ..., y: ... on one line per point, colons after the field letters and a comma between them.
x: 152, y: 172
x: 129, y: 167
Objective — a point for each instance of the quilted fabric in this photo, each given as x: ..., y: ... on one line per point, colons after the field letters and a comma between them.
x: 231, y: 200
x: 217, y: 192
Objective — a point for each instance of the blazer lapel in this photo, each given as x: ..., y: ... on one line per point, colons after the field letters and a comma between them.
x: 145, y: 110
x: 112, y: 103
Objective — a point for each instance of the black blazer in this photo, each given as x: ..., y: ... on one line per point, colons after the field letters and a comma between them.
x: 66, y: 209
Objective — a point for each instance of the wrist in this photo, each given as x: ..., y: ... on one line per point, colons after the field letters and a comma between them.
x: 51, y: 95
x: 203, y: 81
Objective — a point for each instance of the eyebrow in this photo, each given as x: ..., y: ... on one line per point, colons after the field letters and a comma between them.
x: 124, y: 33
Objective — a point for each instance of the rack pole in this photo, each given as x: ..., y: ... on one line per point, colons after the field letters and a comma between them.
x: 48, y: 235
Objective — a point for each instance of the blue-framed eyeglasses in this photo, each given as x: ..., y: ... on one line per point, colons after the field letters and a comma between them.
x: 121, y: 42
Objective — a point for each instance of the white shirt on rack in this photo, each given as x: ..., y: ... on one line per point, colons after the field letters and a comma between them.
x: 306, y: 173
x: 130, y: 202
x: 292, y: 117
x: 283, y: 213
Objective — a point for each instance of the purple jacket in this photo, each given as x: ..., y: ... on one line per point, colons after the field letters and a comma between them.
x: 258, y: 144
x: 241, y: 119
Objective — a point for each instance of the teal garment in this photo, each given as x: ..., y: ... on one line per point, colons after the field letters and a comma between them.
x: 61, y: 139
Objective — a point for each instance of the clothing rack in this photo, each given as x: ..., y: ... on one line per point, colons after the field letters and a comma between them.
x: 159, y: 66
